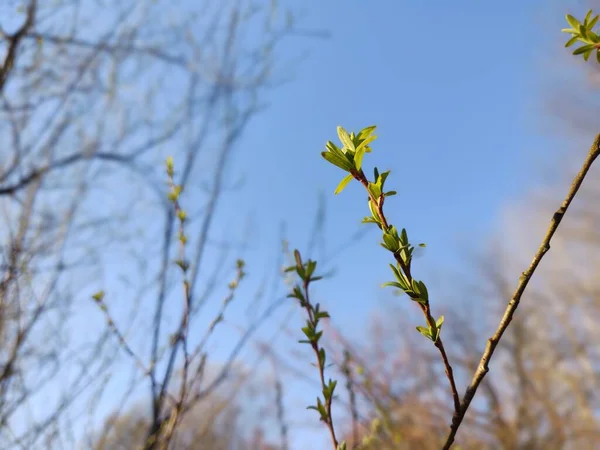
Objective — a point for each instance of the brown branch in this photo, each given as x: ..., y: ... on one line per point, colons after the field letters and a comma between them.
x: 14, y: 41
x: 492, y: 342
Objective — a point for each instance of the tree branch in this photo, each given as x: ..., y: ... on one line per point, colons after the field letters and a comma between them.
x: 492, y: 343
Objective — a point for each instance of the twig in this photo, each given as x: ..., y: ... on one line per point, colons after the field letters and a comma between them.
x: 320, y: 364
x: 360, y: 176
x: 14, y: 41
x: 347, y: 370
x: 492, y: 342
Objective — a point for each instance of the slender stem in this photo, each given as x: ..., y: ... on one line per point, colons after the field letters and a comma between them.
x: 492, y: 342
x: 360, y: 176
x: 321, y: 366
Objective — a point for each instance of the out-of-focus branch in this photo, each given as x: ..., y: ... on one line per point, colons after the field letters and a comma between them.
x: 14, y: 40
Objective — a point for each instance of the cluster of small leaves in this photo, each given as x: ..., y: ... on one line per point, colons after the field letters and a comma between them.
x: 173, y: 196
x: 305, y: 271
x: 583, y: 32
x: 349, y: 158
x: 182, y: 261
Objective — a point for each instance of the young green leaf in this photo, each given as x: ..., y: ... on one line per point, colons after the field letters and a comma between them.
x: 358, y: 157
x: 366, y: 132
x: 375, y: 190
x: 340, y: 187
x: 573, y: 21
x: 572, y: 41
x: 345, y: 139
x: 337, y: 160
x: 425, y: 332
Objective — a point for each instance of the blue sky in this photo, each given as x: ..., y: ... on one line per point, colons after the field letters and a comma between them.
x: 450, y: 88
x: 453, y: 88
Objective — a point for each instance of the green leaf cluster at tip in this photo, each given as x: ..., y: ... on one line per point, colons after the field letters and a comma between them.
x: 583, y: 32
x: 349, y: 157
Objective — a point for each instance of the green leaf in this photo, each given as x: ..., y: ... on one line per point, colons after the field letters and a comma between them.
x: 183, y: 264
x: 573, y: 21
x: 317, y: 336
x: 310, y: 268
x: 322, y: 315
x: 593, y: 37
x: 392, y: 284
x: 422, y: 244
x: 593, y: 22
x: 375, y: 190
x: 572, y: 41
x: 340, y: 187
x: 587, y: 17
x: 425, y: 332
x: 369, y: 220
x: 404, y: 237
x: 570, y: 30
x: 332, y: 147
x: 308, y: 331
x: 329, y: 389
x: 586, y: 55
x: 170, y: 167
x: 337, y: 160
x: 439, y: 322
x: 383, y: 177
x: 373, y: 209
x: 358, y: 157
x: 365, y: 143
x: 390, y: 242
x: 396, y: 271
x: 345, y: 139
x: 584, y: 49
x: 322, y: 357
x: 420, y: 288
x: 366, y: 132
x: 390, y: 193
x: 98, y: 296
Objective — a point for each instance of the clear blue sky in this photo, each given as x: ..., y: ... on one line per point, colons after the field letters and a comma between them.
x: 452, y: 88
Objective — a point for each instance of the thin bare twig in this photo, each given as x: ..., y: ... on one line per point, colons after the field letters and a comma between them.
x: 14, y: 41
x: 526, y: 276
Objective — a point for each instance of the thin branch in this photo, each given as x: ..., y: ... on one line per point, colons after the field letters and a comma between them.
x: 14, y: 41
x: 492, y: 343
x: 360, y: 176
